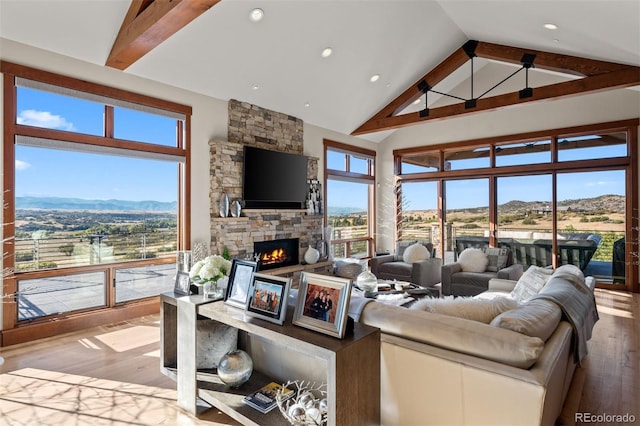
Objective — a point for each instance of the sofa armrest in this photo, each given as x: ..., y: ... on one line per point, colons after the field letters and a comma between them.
x: 426, y: 272
x: 445, y: 275
x: 499, y: 284
x: 376, y: 261
x: 513, y: 272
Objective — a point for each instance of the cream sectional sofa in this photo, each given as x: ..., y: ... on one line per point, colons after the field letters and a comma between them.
x: 444, y: 370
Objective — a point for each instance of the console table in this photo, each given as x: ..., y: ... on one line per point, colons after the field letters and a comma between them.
x: 350, y: 367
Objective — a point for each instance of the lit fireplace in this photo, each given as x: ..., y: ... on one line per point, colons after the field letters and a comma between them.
x: 276, y: 253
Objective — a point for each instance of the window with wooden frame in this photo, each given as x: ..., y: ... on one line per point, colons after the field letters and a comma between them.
x: 349, y: 193
x: 96, y: 184
x: 554, y: 197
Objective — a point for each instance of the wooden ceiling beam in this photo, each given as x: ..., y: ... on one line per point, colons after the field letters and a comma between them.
x: 150, y: 22
x: 613, y: 80
x: 548, y: 61
x: 595, y: 76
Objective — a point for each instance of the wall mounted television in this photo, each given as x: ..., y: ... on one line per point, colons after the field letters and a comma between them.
x: 273, y: 179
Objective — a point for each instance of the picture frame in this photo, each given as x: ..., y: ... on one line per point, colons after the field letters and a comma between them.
x: 268, y: 297
x: 239, y: 282
x: 323, y: 303
x: 182, y: 285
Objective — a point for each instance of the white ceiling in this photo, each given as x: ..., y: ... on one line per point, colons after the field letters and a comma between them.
x: 222, y: 54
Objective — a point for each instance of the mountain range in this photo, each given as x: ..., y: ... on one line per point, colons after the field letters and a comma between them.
x: 58, y: 203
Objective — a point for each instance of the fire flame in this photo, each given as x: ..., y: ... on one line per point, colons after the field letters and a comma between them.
x: 275, y: 256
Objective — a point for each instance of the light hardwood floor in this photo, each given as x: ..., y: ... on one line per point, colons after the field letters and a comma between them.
x: 111, y: 375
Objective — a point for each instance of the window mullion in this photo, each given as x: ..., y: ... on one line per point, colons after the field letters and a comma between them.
x: 108, y: 121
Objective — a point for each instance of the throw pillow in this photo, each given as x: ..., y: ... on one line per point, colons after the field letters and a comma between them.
x: 349, y: 268
x: 415, y: 253
x: 530, y: 283
x: 473, y: 260
x: 497, y: 258
x: 538, y: 318
x: 482, y: 310
x: 401, y: 246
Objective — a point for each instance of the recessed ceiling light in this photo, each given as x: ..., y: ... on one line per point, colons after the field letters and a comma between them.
x: 388, y: 85
x: 255, y: 86
x: 326, y: 52
x: 417, y: 101
x: 374, y: 78
x: 307, y: 104
x: 256, y: 14
x: 555, y: 40
x: 551, y: 26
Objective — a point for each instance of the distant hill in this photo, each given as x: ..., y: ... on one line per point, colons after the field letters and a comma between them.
x: 341, y: 211
x: 610, y: 202
x: 56, y: 203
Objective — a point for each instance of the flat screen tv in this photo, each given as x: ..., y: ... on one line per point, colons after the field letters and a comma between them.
x: 274, y: 179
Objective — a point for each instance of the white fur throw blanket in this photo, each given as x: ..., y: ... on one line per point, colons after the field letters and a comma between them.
x: 482, y: 310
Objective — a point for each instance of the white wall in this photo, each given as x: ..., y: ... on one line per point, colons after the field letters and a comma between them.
x: 580, y: 110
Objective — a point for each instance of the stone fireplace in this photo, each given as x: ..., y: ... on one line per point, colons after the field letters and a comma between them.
x: 255, y: 126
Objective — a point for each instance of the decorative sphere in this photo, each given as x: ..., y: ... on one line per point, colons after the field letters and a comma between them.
x: 235, y: 368
x: 366, y: 281
x: 296, y: 412
x: 314, y: 415
x: 307, y: 399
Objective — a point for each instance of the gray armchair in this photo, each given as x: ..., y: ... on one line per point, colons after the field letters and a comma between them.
x: 459, y: 283
x: 425, y: 273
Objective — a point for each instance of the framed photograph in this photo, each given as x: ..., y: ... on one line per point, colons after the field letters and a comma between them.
x: 268, y: 297
x: 183, y: 283
x: 239, y: 282
x: 323, y: 303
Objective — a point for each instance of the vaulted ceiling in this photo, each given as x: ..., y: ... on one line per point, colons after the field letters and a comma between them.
x: 213, y: 48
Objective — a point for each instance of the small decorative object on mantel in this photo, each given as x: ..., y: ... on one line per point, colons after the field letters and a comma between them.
x: 236, y: 208
x: 223, y: 205
x: 312, y: 255
x: 206, y: 274
x: 314, y: 197
x: 308, y: 405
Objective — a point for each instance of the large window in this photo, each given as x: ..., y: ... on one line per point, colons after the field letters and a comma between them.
x: 349, y: 181
x: 94, y: 204
x: 564, y: 196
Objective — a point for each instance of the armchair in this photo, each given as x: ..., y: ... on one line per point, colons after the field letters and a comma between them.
x: 425, y: 273
x: 457, y: 282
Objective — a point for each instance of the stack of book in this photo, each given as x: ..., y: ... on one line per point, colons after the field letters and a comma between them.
x: 264, y: 399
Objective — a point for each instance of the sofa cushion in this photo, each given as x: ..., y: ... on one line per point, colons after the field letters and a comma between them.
x: 530, y: 283
x: 399, y: 269
x: 456, y: 334
x: 482, y: 310
x: 473, y: 260
x: 537, y: 318
x: 415, y: 253
x: 498, y: 258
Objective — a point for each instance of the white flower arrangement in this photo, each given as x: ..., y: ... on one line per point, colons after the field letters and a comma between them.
x: 211, y: 268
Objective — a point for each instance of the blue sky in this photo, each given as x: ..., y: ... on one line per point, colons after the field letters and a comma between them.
x: 45, y: 172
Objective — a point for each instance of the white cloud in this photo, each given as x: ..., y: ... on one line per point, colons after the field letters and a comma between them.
x: 600, y: 183
x: 22, y: 165
x: 31, y: 117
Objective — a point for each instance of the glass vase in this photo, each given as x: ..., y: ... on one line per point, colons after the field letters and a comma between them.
x: 212, y: 290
